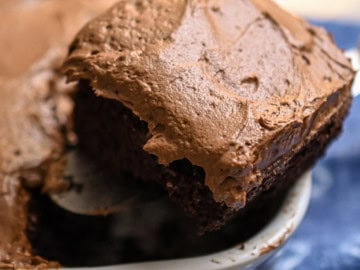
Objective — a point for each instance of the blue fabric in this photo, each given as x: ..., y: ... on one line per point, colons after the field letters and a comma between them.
x: 346, y: 35
x: 329, y: 236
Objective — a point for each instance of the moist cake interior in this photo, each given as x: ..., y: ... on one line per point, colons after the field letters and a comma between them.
x: 155, y: 232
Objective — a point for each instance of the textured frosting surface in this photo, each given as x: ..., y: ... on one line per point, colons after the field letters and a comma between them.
x: 33, y: 107
x: 231, y: 85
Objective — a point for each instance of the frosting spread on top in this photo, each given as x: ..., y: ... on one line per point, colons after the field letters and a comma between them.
x: 231, y: 85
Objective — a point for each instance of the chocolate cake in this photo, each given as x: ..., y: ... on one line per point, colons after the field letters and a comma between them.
x: 216, y: 101
x: 221, y: 103
x: 34, y: 109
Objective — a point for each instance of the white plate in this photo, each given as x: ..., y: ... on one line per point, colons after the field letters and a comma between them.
x: 249, y: 254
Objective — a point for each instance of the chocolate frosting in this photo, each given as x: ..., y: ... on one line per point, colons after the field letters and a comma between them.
x: 34, y: 107
x: 232, y: 85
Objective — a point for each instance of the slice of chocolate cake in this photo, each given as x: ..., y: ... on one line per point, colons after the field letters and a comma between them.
x: 217, y: 101
x: 32, y: 114
x: 34, y: 108
x: 222, y: 103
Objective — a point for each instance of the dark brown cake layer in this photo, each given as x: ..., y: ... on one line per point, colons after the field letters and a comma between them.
x: 113, y: 135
